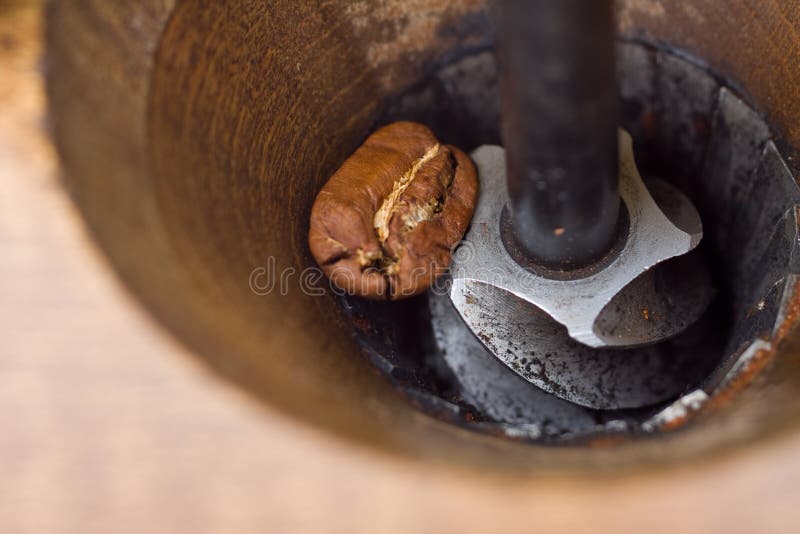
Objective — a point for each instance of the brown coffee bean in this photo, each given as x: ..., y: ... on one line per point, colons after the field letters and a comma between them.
x: 384, y: 225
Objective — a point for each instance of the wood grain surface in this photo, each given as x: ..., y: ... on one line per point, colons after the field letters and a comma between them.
x: 107, y: 424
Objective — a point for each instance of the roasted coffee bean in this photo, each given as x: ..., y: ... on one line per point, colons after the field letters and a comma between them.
x: 384, y: 225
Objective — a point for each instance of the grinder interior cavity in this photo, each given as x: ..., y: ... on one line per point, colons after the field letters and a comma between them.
x: 691, y: 130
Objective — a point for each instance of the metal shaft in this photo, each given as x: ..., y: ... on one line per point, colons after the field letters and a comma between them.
x: 559, y: 105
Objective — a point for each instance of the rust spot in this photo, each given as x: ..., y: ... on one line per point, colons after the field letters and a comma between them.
x: 361, y: 324
x: 702, y: 125
x: 745, y: 377
x: 761, y: 358
x: 674, y: 423
x: 792, y: 314
x: 650, y: 124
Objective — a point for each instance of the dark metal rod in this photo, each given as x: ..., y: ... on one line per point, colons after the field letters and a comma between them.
x: 559, y: 106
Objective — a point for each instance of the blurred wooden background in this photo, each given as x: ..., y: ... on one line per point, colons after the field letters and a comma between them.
x: 107, y: 425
